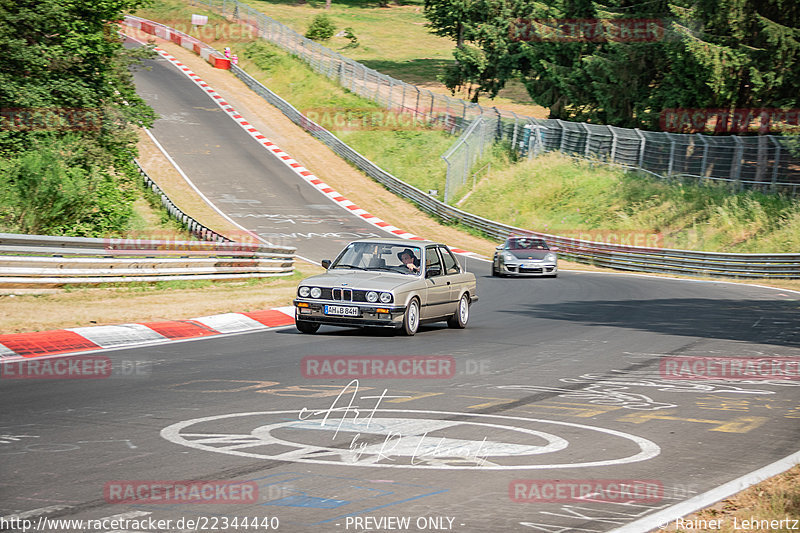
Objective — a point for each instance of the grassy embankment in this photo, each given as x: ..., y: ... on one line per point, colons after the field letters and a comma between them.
x: 555, y: 194
x: 551, y: 193
x: 393, y: 40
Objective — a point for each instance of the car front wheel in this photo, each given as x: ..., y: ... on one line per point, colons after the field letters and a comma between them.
x: 496, y: 271
x: 306, y: 327
x: 460, y: 318
x: 411, y: 318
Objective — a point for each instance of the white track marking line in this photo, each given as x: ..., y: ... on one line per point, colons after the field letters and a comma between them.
x: 701, y: 501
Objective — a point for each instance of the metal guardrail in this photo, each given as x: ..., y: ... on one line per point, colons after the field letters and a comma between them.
x: 631, y: 258
x: 763, y: 162
x: 38, y: 260
x: 41, y: 260
x: 193, y: 226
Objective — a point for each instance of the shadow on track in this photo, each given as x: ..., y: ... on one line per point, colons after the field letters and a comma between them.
x: 757, y: 321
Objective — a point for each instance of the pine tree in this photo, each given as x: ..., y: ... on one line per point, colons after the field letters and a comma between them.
x: 709, y: 53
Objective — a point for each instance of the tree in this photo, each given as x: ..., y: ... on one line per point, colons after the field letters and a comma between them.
x: 321, y: 28
x: 748, y: 49
x: 65, y: 84
x: 722, y: 53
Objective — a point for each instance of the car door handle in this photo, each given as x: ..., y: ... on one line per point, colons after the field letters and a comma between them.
x: 448, y: 283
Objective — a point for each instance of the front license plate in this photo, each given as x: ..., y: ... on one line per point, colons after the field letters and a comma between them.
x: 341, y: 310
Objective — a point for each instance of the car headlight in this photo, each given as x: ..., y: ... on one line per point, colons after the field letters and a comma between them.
x: 372, y: 297
x: 316, y: 292
x: 507, y: 256
x: 303, y: 291
x: 550, y: 257
x: 386, y: 297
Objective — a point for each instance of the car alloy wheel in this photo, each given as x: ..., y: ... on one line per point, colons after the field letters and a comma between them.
x: 411, y: 318
x: 459, y: 320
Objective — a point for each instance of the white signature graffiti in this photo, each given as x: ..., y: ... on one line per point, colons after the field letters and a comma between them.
x: 616, y: 396
x: 706, y: 386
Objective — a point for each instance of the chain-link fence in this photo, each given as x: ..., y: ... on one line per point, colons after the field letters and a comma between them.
x: 760, y: 162
x: 465, y: 153
x: 764, y: 162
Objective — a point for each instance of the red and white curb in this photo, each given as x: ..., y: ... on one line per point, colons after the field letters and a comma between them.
x: 17, y: 346
x: 290, y: 162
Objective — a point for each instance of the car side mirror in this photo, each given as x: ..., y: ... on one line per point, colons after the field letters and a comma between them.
x: 433, y: 271
x: 499, y: 247
x: 326, y: 263
x: 553, y: 249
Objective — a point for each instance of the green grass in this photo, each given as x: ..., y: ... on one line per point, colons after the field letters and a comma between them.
x: 393, y: 40
x: 410, y: 154
x: 555, y: 194
x: 174, y: 285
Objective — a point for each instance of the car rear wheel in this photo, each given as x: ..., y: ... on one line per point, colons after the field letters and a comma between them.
x: 306, y: 327
x: 459, y: 320
x: 411, y: 318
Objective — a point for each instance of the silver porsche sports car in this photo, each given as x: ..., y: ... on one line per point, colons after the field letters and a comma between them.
x: 387, y: 283
x: 524, y: 256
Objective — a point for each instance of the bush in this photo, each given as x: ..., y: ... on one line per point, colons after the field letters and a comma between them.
x: 321, y: 28
x: 349, y: 34
x: 49, y: 189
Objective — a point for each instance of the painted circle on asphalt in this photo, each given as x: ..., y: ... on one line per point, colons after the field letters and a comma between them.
x: 401, y: 438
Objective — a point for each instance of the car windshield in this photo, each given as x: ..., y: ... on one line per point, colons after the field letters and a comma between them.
x: 379, y: 257
x: 526, y: 244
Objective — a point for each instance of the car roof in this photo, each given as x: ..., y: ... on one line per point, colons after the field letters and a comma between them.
x: 524, y: 237
x: 398, y: 242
